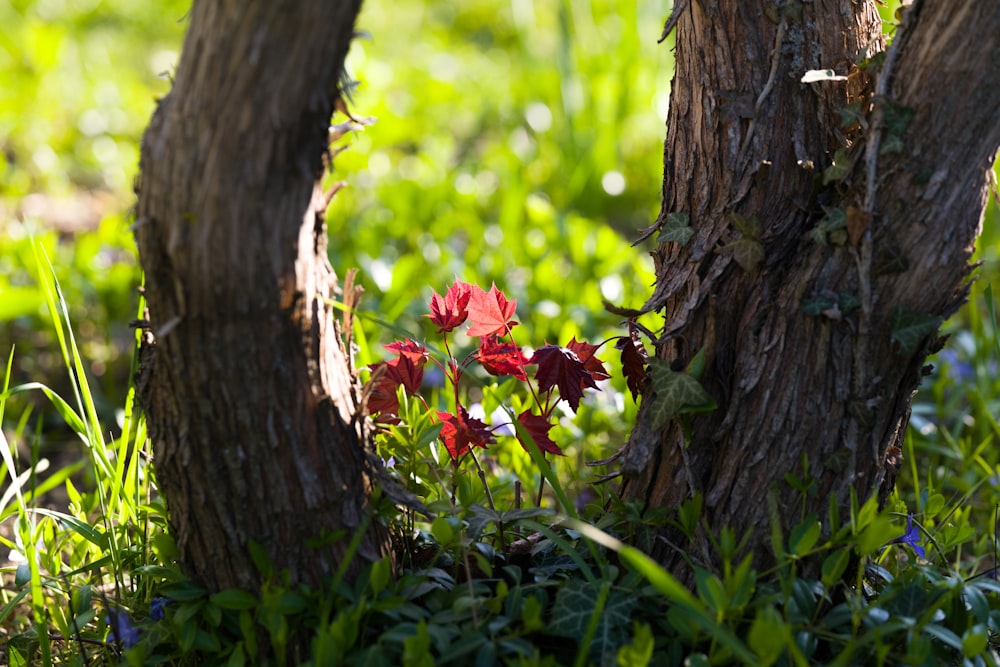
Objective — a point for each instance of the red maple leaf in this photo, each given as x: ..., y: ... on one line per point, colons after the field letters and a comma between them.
x: 490, y: 312
x: 460, y: 431
x: 560, y: 367
x: 586, y: 353
x: 383, y: 398
x: 500, y: 358
x: 451, y: 310
x: 538, y: 427
x: 634, y: 358
x: 407, y: 368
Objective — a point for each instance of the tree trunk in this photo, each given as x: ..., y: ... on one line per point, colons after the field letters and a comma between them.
x: 815, y: 301
x: 249, y: 395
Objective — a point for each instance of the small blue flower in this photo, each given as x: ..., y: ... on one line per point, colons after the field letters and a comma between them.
x: 911, y: 537
x: 958, y: 371
x: 157, y: 608
x: 434, y: 377
x: 121, y: 628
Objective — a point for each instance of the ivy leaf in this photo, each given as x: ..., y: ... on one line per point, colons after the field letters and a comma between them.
x: 840, y: 168
x: 634, y: 358
x: 817, y: 305
x: 676, y: 229
x: 538, y: 427
x: 585, y: 351
x: 451, y: 310
x: 849, y: 302
x: 696, y: 366
x: 748, y: 227
x: 895, y: 116
x: 675, y: 393
x: 748, y: 253
x: 909, y: 329
x: 500, y: 358
x: 459, y: 432
x: 834, y: 220
x: 560, y: 367
x: 490, y: 312
x: 572, y: 611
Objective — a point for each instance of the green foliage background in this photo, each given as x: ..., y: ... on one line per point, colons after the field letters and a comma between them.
x: 516, y: 142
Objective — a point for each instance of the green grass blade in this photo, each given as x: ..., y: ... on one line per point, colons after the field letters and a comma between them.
x: 669, y: 587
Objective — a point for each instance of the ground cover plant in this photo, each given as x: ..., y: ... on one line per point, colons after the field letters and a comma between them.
x: 521, y: 557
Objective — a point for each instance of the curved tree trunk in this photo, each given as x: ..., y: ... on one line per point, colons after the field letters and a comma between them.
x: 249, y: 395
x: 815, y: 301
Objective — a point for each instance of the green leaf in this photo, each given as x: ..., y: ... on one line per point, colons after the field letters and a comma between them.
x: 81, y: 528
x: 804, y: 536
x: 748, y: 253
x: 22, y: 575
x: 512, y: 516
x: 834, y: 566
x: 895, y: 118
x: 767, y: 635
x: 711, y: 590
x: 380, y: 575
x: 944, y: 634
x: 840, y: 168
x: 817, y: 305
x: 675, y: 229
x: 675, y: 393
x: 442, y: 531
x: 849, y: 302
x: 696, y: 366
x: 234, y: 598
x: 417, y: 648
x: 237, y: 658
x: 640, y: 651
x: 575, y: 605
x: 182, y: 591
x: 748, y: 227
x: 974, y: 641
x: 531, y: 614
x: 910, y: 329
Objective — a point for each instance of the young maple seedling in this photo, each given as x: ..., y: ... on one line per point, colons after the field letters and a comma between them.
x: 562, y: 373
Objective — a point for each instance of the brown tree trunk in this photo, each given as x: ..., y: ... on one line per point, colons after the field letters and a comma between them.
x: 814, y: 337
x: 249, y: 396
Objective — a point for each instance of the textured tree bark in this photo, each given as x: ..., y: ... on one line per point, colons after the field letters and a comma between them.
x: 808, y: 353
x: 249, y: 395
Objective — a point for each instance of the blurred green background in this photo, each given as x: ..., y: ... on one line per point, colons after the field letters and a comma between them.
x: 518, y: 142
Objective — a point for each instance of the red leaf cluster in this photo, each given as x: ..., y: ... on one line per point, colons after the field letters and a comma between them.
x: 585, y: 351
x: 491, y: 313
x: 405, y: 369
x: 383, y: 399
x: 571, y: 369
x: 451, y: 310
x: 561, y: 367
x: 538, y: 428
x: 499, y: 358
x: 461, y: 431
x: 408, y: 365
